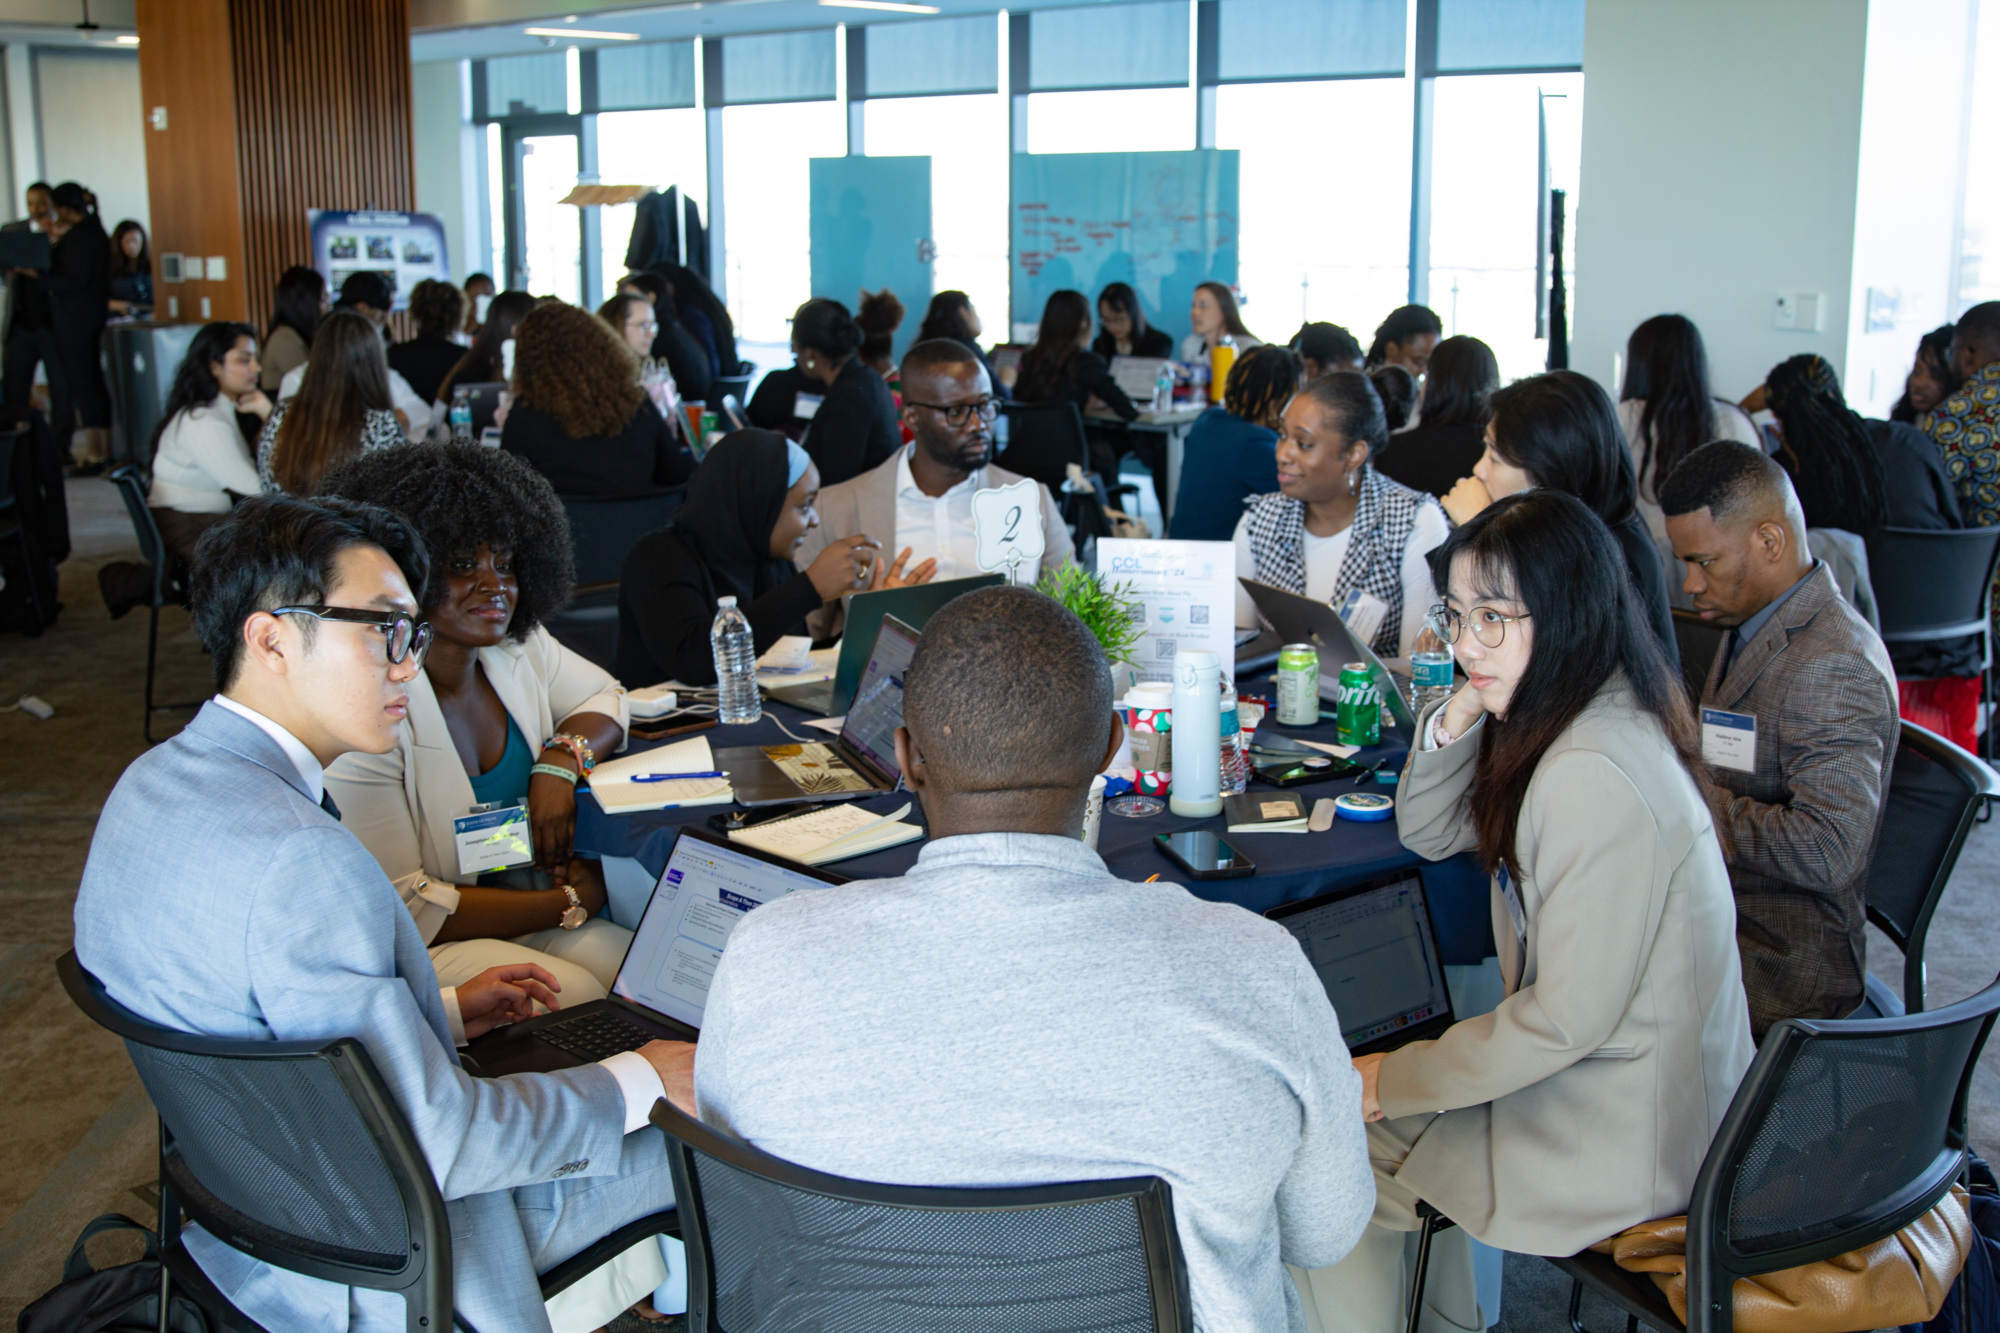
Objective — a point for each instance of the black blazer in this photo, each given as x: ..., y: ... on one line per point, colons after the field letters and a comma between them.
x: 1153, y: 342
x: 1087, y: 374
x: 79, y: 284
x: 687, y: 360
x: 666, y: 604
x: 856, y: 427
x: 1649, y: 580
x: 642, y: 459
x: 1432, y: 458
x: 424, y: 362
x: 770, y: 407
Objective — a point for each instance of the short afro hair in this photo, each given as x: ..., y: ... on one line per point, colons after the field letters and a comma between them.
x: 1008, y: 691
x: 459, y: 495
x: 1722, y: 477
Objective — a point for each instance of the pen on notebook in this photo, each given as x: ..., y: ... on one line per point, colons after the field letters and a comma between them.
x: 673, y: 777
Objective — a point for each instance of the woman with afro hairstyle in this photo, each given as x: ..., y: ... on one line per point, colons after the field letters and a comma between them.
x: 580, y: 415
x: 500, y: 712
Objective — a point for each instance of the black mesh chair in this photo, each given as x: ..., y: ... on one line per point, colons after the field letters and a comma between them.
x: 772, y: 1246
x: 1936, y: 584
x: 10, y: 527
x: 153, y: 550
x: 603, y: 532
x: 1936, y: 791
x: 1043, y: 439
x: 1699, y: 640
x: 1842, y: 1132
x: 295, y: 1153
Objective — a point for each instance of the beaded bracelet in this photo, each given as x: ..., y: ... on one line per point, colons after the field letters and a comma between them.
x: 555, y: 771
x: 577, y: 746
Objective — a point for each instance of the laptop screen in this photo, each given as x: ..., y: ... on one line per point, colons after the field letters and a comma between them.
x: 1375, y: 955
x: 704, y: 891
x: 877, y: 710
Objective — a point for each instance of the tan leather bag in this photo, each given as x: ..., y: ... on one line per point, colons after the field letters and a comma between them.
x: 1900, y: 1279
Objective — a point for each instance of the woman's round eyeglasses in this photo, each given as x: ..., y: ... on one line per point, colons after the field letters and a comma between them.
x: 405, y: 635
x: 1488, y: 625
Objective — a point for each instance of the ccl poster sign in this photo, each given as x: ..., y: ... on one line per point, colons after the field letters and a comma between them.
x: 405, y: 248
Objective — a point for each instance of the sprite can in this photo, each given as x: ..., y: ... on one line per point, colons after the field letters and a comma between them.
x: 1298, y: 685
x: 1358, y: 715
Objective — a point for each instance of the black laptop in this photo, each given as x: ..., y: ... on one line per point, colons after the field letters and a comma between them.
x: 709, y: 885
x: 1302, y: 620
x: 913, y: 606
x: 1376, y: 953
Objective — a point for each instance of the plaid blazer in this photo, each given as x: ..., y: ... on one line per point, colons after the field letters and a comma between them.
x: 1799, y: 832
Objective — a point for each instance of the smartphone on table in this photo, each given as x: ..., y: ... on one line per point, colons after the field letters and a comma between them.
x: 1203, y: 855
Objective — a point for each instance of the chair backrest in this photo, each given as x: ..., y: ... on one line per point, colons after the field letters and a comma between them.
x: 1699, y: 641
x: 773, y: 1246
x: 1842, y: 1132
x: 603, y: 532
x: 1043, y: 439
x: 1936, y: 791
x: 1932, y: 584
x: 733, y: 386
x: 131, y: 484
x: 292, y: 1152
x: 8, y: 439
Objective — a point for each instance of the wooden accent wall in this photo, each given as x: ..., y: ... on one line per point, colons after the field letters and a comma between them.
x: 287, y: 107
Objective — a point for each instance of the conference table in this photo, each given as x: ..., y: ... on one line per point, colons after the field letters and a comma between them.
x: 1290, y: 866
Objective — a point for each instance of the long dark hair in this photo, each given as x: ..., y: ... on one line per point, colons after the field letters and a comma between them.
x: 1933, y: 350
x: 1562, y: 431
x: 1459, y: 382
x: 482, y: 362
x: 123, y: 263
x: 1404, y: 323
x: 295, y: 302
x: 1232, y: 318
x: 1065, y: 319
x: 1667, y: 366
x: 1546, y: 550
x: 347, y: 377
x: 195, y: 384
x: 945, y: 318
x: 1826, y: 448
x: 1397, y: 388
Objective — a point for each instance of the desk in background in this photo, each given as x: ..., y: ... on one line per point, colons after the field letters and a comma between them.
x: 1174, y: 425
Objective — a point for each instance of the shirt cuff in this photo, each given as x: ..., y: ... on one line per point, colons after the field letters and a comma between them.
x: 640, y: 1085
x: 456, y: 1020
x: 1435, y: 736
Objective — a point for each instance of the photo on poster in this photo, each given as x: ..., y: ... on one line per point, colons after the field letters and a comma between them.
x: 344, y: 247
x: 417, y: 252
x: 382, y: 247
x: 405, y: 248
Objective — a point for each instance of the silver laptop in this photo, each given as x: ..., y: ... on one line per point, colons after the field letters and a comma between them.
x: 1302, y: 620
x: 1138, y: 376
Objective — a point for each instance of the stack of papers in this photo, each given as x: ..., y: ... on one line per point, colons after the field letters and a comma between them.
x: 1265, y: 812
x: 645, y: 781
x: 830, y: 833
x: 788, y: 656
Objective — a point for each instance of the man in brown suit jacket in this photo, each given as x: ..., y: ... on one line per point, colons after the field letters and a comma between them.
x: 1799, y: 729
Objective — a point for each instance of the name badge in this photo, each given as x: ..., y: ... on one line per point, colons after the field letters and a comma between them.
x: 1729, y: 740
x: 1517, y: 913
x: 1362, y: 612
x: 492, y: 840
x: 805, y: 406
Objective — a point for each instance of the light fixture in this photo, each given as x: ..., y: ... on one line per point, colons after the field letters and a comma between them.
x: 889, y: 5
x: 126, y: 39
x: 584, y: 33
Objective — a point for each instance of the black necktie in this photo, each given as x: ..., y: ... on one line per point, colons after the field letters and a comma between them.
x: 326, y: 803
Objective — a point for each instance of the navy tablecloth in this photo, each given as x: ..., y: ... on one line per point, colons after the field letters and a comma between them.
x: 1290, y: 866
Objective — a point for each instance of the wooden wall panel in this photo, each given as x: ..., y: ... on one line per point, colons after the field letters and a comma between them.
x: 192, y: 182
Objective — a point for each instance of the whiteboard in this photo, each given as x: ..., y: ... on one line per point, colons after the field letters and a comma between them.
x: 1159, y: 221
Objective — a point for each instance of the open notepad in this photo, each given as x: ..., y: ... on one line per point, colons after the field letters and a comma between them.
x: 629, y: 785
x: 830, y: 833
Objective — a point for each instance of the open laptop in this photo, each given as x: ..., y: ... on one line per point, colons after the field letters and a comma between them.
x: 1302, y: 620
x: 867, y: 740
x: 1138, y: 376
x: 1376, y: 953
x: 913, y: 606
x: 709, y: 885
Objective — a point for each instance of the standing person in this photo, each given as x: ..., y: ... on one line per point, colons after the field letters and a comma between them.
x: 200, y: 465
x: 1666, y: 410
x: 131, y: 271
x: 485, y: 362
x: 1122, y: 327
x: 423, y: 361
x: 855, y: 426
x: 30, y: 337
x: 1212, y: 313
x: 951, y: 315
x: 1450, y: 440
x: 1335, y: 526
x: 1931, y: 379
x: 1568, y: 763
x: 342, y: 409
x: 1324, y: 348
x: 1802, y: 768
x: 79, y: 287
x: 297, y: 306
x: 1232, y: 449
x: 1406, y: 338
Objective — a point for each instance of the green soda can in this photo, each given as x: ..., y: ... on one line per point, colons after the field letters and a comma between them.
x: 1298, y: 685
x: 1358, y: 715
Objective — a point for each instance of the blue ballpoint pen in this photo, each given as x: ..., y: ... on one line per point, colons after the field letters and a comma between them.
x: 674, y: 777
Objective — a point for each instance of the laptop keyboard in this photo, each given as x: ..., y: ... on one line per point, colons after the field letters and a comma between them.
x: 594, y: 1036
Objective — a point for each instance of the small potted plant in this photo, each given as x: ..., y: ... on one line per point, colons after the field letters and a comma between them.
x: 1113, y: 613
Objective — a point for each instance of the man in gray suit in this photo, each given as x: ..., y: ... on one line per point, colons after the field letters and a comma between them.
x: 223, y: 897
x: 1799, y: 726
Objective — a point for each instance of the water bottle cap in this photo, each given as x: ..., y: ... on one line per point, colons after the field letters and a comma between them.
x: 721, y: 602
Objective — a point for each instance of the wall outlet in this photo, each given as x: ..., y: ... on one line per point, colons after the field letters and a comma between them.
x: 1797, y: 311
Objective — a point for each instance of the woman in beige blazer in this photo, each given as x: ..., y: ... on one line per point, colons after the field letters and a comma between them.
x: 500, y: 710
x: 1586, y: 1101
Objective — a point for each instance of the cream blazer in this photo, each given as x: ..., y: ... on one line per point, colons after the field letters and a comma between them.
x: 1586, y: 1102
x: 401, y: 804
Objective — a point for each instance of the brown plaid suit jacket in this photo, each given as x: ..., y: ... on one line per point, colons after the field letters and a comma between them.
x: 1799, y: 832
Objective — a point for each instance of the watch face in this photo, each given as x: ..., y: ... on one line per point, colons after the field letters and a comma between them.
x: 573, y: 917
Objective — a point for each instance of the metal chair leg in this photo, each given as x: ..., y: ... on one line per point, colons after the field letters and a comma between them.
x: 1430, y: 1222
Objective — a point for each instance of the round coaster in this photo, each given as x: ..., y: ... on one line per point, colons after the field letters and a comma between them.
x: 1364, y: 807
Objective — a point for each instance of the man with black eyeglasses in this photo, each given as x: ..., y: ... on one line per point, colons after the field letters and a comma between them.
x: 222, y: 897
x: 919, y: 502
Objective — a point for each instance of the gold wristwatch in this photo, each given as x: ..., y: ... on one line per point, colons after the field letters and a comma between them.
x: 573, y: 915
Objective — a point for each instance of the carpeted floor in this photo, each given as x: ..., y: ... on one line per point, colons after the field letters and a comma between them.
x: 81, y: 1134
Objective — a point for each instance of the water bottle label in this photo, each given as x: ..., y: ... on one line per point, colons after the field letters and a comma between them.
x: 1430, y: 675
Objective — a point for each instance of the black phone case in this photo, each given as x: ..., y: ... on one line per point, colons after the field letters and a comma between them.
x: 1243, y: 871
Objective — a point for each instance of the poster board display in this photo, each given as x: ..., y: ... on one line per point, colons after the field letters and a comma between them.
x: 1188, y: 591
x: 405, y: 248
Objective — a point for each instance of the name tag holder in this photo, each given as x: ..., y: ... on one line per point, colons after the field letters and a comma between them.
x: 1510, y: 894
x: 805, y: 406
x: 493, y: 837
x: 1729, y: 740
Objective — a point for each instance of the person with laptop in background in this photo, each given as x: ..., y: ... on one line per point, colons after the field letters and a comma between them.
x: 1010, y: 1013
x: 1569, y: 762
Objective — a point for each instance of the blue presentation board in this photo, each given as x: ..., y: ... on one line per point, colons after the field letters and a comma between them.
x: 1159, y: 221
x: 871, y: 226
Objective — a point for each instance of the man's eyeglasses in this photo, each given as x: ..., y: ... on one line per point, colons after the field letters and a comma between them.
x: 406, y: 635
x: 1488, y: 625
x: 957, y: 414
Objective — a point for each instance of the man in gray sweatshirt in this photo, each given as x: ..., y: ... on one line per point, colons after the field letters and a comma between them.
x: 1008, y: 1013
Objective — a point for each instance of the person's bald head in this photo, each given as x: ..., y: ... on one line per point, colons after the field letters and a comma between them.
x: 1975, y: 339
x: 1006, y: 715
x: 1735, y: 520
x: 940, y: 374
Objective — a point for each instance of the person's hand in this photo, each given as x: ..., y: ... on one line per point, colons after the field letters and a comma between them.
x: 255, y: 403
x: 1370, y: 1069
x: 1463, y: 502
x: 1462, y: 711
x: 843, y: 567
x: 673, y: 1061
x: 505, y: 994
x: 587, y: 878
x: 552, y: 810
x: 1754, y: 401
x: 892, y: 576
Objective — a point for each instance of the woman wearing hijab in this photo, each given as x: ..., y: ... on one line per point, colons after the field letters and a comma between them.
x: 747, y: 510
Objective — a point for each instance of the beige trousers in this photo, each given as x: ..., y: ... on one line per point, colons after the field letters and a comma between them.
x: 1368, y: 1291
x: 584, y: 961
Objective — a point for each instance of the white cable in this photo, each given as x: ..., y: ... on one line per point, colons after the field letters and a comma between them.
x: 28, y: 703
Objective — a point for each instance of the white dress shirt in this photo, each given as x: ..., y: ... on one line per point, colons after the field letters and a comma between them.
x: 937, y: 527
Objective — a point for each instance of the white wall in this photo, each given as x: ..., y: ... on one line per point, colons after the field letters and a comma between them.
x: 1721, y: 141
x: 93, y: 128
x: 447, y: 171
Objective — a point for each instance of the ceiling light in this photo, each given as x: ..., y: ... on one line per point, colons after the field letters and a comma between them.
x: 126, y: 40
x: 584, y: 33
x: 889, y: 5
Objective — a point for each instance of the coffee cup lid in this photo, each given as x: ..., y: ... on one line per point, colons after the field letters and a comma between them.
x: 1150, y: 694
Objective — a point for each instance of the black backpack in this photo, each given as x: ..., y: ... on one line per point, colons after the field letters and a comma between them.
x: 126, y: 1297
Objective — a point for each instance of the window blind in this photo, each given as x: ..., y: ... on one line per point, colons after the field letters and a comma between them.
x: 1108, y: 46
x: 645, y: 77
x: 527, y: 85
x: 1309, y: 39
x: 1509, y: 34
x: 778, y: 67
x: 934, y: 57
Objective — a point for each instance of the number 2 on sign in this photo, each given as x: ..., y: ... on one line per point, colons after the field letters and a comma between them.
x: 1013, y: 525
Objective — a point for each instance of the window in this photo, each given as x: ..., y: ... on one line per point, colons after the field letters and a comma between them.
x: 553, y: 240
x: 1309, y: 39
x: 778, y: 67
x: 1979, y: 253
x: 1109, y: 46
x: 1509, y: 34
x: 934, y: 56
x: 966, y: 141
x: 1150, y: 120
x: 524, y: 85
x: 655, y: 74
x: 767, y: 182
x: 656, y: 148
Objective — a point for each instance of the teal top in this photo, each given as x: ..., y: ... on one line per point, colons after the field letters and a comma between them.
x: 507, y: 780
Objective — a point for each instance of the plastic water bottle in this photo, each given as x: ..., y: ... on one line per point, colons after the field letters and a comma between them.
x: 735, y: 665
x: 1197, y: 791
x: 1430, y: 678
x: 1235, y: 765
x: 1198, y: 383
x: 1163, y: 388
x: 461, y: 415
